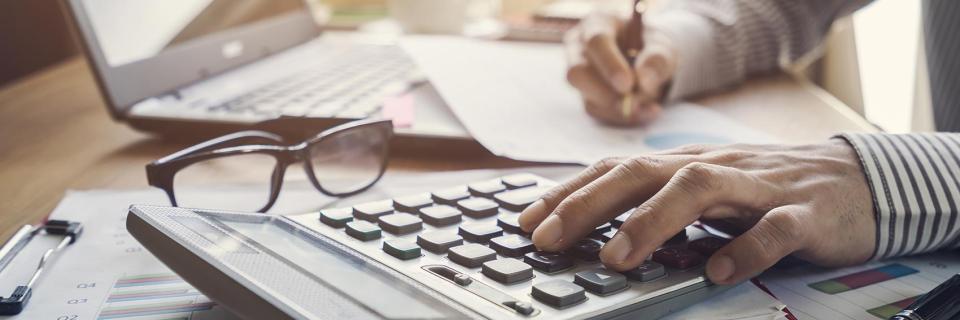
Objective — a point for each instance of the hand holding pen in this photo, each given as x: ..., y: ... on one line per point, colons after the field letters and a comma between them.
x: 621, y: 68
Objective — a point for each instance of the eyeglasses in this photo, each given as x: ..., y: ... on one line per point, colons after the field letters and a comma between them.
x: 250, y: 166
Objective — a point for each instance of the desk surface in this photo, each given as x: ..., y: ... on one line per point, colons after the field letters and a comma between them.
x: 55, y: 135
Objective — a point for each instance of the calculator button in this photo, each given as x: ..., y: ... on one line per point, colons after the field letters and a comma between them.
x: 478, y: 207
x: 439, y: 241
x: 619, y: 220
x: 363, y: 230
x: 401, y: 249
x: 486, y: 188
x: 336, y: 218
x: 400, y: 223
x: 600, y: 230
x: 678, y: 258
x: 558, y: 293
x: 600, y: 281
x: 411, y: 204
x: 480, y: 232
x: 678, y: 239
x: 471, y: 255
x: 511, y: 245
x: 373, y: 210
x: 507, y: 271
x: 707, y: 246
x: 587, y: 249
x: 451, y: 196
x: 520, y: 180
x: 548, y: 262
x: 647, y: 271
x: 509, y: 223
x: 442, y: 215
x: 519, y: 199
x: 606, y: 236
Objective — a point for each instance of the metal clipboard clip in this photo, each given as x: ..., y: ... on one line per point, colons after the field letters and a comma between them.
x: 15, y: 303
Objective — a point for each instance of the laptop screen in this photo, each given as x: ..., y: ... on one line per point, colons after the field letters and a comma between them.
x: 131, y: 31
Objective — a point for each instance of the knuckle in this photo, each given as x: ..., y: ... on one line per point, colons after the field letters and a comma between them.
x: 608, y: 163
x: 578, y: 202
x: 697, y: 178
x: 641, y: 167
x: 692, y: 149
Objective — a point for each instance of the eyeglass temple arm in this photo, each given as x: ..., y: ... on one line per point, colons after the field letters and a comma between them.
x: 231, y: 140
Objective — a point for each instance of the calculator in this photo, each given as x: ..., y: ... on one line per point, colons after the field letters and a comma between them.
x: 456, y: 253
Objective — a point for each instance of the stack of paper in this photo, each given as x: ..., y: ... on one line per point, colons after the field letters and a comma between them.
x: 514, y: 99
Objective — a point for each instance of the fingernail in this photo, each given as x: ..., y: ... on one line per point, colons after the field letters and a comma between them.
x: 548, y: 233
x: 526, y: 219
x: 720, y: 268
x: 621, y: 82
x: 616, y: 250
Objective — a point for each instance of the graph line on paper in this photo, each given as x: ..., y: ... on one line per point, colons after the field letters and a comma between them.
x: 888, y: 310
x: 863, y: 278
x: 155, y: 296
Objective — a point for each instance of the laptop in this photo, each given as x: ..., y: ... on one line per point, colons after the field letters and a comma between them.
x: 199, y: 68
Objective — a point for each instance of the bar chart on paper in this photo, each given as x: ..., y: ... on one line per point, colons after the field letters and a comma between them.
x: 871, y: 291
x: 157, y: 296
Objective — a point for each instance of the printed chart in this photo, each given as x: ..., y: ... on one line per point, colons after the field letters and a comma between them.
x: 872, y: 291
x: 155, y: 296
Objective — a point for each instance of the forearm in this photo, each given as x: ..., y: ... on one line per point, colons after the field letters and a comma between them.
x: 915, y: 183
x: 721, y: 42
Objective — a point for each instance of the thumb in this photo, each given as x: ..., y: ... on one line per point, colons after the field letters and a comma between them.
x: 655, y: 67
x: 776, y: 235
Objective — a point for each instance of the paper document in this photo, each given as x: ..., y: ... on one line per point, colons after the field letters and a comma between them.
x: 107, y: 274
x: 514, y: 99
x: 876, y: 290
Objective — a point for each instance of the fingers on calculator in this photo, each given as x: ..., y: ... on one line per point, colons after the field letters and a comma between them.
x: 474, y: 229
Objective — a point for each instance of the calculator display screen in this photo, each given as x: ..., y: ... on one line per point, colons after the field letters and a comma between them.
x: 331, y: 266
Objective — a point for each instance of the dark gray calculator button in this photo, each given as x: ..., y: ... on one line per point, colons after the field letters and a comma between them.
x: 507, y: 271
x: 509, y: 223
x: 363, y: 230
x: 478, y: 207
x: 619, y: 220
x: 401, y: 249
x: 587, y: 249
x: 511, y: 245
x: 451, y: 196
x: 400, y: 223
x: 647, y: 271
x: 480, y: 232
x: 678, y: 239
x: 411, y: 204
x: 471, y: 255
x: 548, y: 262
x: 519, y: 199
x: 600, y: 281
x: 606, y: 236
x: 336, y: 218
x: 520, y: 180
x: 373, y: 210
x: 442, y: 215
x: 439, y: 241
x: 558, y: 293
x: 486, y: 188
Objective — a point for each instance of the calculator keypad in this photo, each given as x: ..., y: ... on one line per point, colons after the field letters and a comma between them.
x: 474, y: 228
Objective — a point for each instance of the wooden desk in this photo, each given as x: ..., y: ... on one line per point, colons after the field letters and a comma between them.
x: 55, y: 135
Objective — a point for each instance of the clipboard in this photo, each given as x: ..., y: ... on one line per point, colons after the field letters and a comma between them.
x: 70, y: 231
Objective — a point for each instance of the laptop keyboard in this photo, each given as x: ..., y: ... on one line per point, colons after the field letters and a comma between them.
x: 474, y: 228
x: 352, y: 82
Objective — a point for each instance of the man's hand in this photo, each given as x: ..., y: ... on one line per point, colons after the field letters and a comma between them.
x: 811, y: 201
x: 603, y: 76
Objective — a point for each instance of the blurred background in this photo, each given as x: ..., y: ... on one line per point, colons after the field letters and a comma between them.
x: 864, y: 63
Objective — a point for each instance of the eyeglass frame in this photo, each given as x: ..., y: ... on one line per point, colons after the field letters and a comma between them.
x: 162, y: 172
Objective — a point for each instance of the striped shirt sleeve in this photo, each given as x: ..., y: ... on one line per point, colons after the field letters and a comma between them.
x: 722, y: 42
x: 915, y: 183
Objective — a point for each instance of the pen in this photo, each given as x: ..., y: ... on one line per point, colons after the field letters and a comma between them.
x: 631, y: 44
x: 943, y: 302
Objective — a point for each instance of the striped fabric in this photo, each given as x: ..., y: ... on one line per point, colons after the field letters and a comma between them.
x: 914, y: 178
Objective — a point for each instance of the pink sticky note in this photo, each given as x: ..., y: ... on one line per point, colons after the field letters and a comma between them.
x: 400, y: 110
